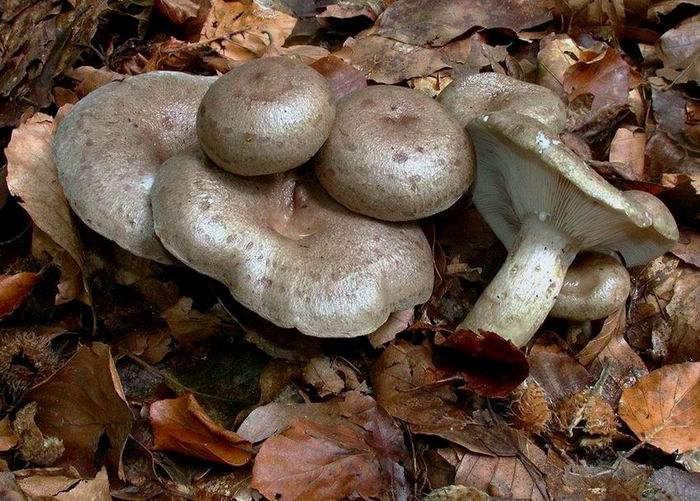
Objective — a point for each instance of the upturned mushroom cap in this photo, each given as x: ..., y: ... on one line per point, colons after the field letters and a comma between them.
x: 110, y: 145
x: 269, y: 115
x: 395, y: 154
x: 595, y: 286
x: 470, y: 97
x: 289, y: 252
x: 525, y: 169
x: 546, y: 205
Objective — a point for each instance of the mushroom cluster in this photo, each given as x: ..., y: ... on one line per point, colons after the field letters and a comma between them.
x: 306, y: 208
x: 216, y: 174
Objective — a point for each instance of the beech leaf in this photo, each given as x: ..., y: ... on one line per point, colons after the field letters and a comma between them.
x: 14, y: 289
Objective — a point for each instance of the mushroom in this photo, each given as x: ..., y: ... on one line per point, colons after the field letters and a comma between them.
x: 546, y: 205
x: 395, y: 154
x: 287, y: 250
x: 595, y: 286
x: 110, y: 145
x: 472, y: 96
x: 266, y: 116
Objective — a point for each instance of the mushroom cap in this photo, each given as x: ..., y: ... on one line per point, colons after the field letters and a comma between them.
x: 395, y: 154
x: 266, y: 116
x: 472, y: 96
x: 595, y: 286
x: 287, y: 250
x: 110, y: 145
x: 524, y: 169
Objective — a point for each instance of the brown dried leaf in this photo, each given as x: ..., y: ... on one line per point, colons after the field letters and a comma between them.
x: 32, y: 176
x: 364, y: 8
x: 242, y: 32
x: 679, y: 50
x: 320, y: 374
x: 189, y: 326
x: 625, y: 480
x: 684, y: 314
x: 63, y: 484
x: 314, y: 461
x: 558, y: 373
x: 89, y: 78
x: 557, y: 54
x: 627, y: 147
x: 34, y: 446
x: 151, y: 346
x: 343, y: 78
x: 181, y: 425
x: 397, y: 322
x: 436, y: 22
x: 8, y: 438
x: 688, y: 248
x: 14, y: 289
x: 489, y: 365
x: 663, y: 408
x: 673, y: 483
x: 178, y: 12
x: 83, y: 404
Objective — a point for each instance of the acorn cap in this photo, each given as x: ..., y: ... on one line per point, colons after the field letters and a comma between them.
x: 395, y: 154
x: 266, y: 116
x: 595, y: 287
x: 288, y: 251
x: 525, y: 169
x: 110, y: 145
x: 472, y: 96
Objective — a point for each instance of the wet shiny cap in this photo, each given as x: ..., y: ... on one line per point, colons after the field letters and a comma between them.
x: 289, y: 252
x: 110, y: 145
x: 266, y: 116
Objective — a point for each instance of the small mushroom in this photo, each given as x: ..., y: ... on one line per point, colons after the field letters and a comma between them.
x: 395, y: 154
x: 546, y: 205
x: 287, y: 250
x: 595, y: 286
x: 110, y: 145
x: 266, y: 116
x: 472, y: 96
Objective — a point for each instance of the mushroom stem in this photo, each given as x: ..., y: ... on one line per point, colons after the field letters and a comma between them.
x: 518, y: 299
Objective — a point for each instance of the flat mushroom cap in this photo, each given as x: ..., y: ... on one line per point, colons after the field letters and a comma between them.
x: 525, y: 169
x: 110, y: 145
x: 395, y: 154
x: 266, y: 116
x: 289, y: 252
x: 595, y: 287
x: 472, y: 96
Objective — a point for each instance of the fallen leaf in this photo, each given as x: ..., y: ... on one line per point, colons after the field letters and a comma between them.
x: 606, y: 76
x: 63, y: 484
x: 83, y: 404
x: 32, y: 176
x: 34, y: 446
x: 181, y: 425
x: 436, y: 22
x: 8, y: 438
x: 189, y: 326
x: 178, y: 12
x: 313, y: 461
x: 369, y: 9
x: 342, y: 77
x: 88, y: 78
x: 624, y: 480
x: 556, y: 55
x: 671, y: 112
x: 243, y: 31
x: 14, y: 289
x: 397, y: 322
x: 627, y: 147
x: 151, y: 346
x: 688, y: 247
x: 558, y: 373
x: 323, y: 377
x: 672, y: 483
x: 609, y: 349
x: 683, y: 312
x: 663, y: 408
x: 679, y: 50
x: 489, y: 365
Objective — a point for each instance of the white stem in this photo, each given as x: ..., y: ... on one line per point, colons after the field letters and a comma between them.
x: 517, y: 301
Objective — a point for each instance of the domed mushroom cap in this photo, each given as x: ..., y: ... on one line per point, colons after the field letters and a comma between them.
x: 395, y: 154
x: 524, y: 169
x: 269, y: 115
x: 472, y: 96
x: 288, y: 251
x: 109, y: 147
x: 595, y: 287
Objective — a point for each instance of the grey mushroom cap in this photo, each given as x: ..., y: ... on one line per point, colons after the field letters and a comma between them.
x: 470, y: 97
x: 110, y: 145
x: 595, y: 287
x: 525, y: 169
x: 395, y: 154
x: 266, y: 116
x: 289, y: 252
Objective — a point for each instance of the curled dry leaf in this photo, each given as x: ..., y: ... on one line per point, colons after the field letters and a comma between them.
x: 14, y: 289
x: 627, y: 147
x: 557, y: 54
x: 397, y: 322
x: 83, y: 404
x: 315, y: 461
x: 320, y: 374
x: 189, y: 326
x: 684, y: 315
x: 557, y: 373
x: 32, y: 176
x: 436, y: 22
x: 679, y: 50
x: 489, y: 365
x: 88, y: 78
x: 178, y: 12
x: 63, y: 484
x: 342, y: 77
x: 663, y: 408
x: 8, y: 438
x: 181, y: 425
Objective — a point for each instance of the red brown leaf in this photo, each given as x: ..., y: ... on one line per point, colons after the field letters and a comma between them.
x: 181, y: 425
x: 14, y: 289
